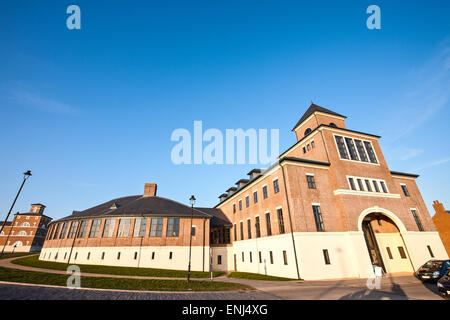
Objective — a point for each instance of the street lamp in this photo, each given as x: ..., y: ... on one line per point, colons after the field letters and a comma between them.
x: 26, y: 175
x: 14, y: 248
x: 192, y: 200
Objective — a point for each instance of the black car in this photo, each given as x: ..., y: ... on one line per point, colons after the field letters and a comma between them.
x: 444, y: 285
x: 433, y: 270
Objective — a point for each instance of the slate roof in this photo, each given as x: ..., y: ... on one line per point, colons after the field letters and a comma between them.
x: 136, y: 206
x: 313, y: 108
x: 218, y: 217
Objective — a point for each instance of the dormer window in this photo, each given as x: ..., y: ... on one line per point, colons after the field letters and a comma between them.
x: 332, y: 124
x: 114, y: 206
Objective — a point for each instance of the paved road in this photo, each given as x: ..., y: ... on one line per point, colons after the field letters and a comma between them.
x: 27, y: 292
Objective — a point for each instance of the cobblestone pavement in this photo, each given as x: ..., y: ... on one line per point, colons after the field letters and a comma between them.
x: 32, y: 292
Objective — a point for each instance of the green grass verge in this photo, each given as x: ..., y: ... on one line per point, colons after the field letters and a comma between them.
x: 17, y: 254
x: 126, y: 271
x: 22, y: 276
x: 256, y: 276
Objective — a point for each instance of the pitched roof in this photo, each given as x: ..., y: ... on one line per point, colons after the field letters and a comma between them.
x: 313, y: 108
x: 136, y: 206
x: 218, y: 217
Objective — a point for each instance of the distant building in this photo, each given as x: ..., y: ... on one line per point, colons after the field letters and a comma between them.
x: 442, y: 222
x: 27, y: 231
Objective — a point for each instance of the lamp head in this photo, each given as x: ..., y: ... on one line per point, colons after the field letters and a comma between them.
x: 192, y: 200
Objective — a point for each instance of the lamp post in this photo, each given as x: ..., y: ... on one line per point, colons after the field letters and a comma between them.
x: 14, y: 248
x: 26, y: 175
x: 192, y: 200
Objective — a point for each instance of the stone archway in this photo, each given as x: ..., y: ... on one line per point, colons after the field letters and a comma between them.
x: 383, y: 236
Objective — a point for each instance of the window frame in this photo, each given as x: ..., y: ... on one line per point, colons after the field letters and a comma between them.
x: 347, y: 151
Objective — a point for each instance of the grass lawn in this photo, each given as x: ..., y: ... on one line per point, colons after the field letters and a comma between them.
x: 14, y: 275
x: 127, y: 271
x: 17, y: 254
x: 256, y: 276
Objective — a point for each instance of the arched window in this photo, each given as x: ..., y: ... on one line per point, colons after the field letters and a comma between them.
x: 307, y: 131
x: 18, y: 243
x: 332, y: 124
x: 22, y: 233
x: 25, y: 224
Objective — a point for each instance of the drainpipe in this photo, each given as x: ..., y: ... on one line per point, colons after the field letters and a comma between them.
x: 74, y: 238
x: 204, y: 230
x: 290, y: 222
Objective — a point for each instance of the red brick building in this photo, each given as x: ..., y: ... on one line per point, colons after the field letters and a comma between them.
x: 441, y: 220
x: 27, y: 231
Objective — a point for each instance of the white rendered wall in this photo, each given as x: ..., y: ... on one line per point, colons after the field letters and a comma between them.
x: 417, y: 243
x: 397, y: 263
x: 179, y: 261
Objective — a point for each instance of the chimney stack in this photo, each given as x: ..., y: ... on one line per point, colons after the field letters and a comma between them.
x: 150, y: 190
x: 438, y: 207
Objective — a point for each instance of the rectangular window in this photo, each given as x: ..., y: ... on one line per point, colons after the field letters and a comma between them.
x: 318, y: 218
x: 118, y: 255
x: 193, y: 231
x: 173, y: 227
x: 351, y: 149
x: 430, y: 251
x: 251, y: 258
x: 260, y: 257
x: 83, y: 229
x: 103, y: 255
x: 124, y: 227
x: 280, y: 221
x: 360, y: 184
x: 405, y: 190
x: 240, y: 204
x: 304, y: 150
x: 108, y: 229
x: 341, y: 147
x: 352, y: 183
x: 156, y: 227
x: 285, y: 257
x: 95, y: 228
x: 255, y: 196
x: 55, y: 235
x: 375, y: 185
x: 326, y: 256
x: 269, y: 227
x: 170, y: 255
x: 135, y: 255
x: 88, y: 255
x: 235, y: 232
x: 219, y: 259
x: 308, y: 147
x: 153, y: 255
x: 402, y: 252
x: 257, y: 227
x: 247, y: 201
x: 361, y: 151
x: 139, y: 227
x: 370, y: 152
x: 271, y: 257
x: 234, y: 207
x: 63, y: 230
x: 416, y: 218
x: 243, y: 257
x: 389, y: 253
x: 383, y: 186
x: 73, y: 230
x: 249, y: 228
x: 241, y: 224
x: 310, y: 181
x: 265, y: 192
x: 369, y: 188
x: 276, y: 187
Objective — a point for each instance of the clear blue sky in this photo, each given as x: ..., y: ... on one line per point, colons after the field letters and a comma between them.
x: 91, y: 111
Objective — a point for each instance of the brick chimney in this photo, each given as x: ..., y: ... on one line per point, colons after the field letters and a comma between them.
x: 438, y: 207
x: 150, y: 190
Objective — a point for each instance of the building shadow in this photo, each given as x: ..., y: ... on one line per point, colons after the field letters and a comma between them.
x: 394, y: 292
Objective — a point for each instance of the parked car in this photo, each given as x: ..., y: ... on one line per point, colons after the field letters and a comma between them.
x: 444, y: 285
x: 433, y: 270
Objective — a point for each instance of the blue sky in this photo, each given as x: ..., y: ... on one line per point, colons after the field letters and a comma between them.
x: 91, y: 111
